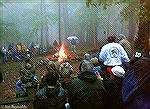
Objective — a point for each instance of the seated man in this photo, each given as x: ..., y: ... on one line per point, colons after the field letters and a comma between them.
x: 86, y: 63
x: 27, y: 74
x: 87, y: 91
x: 50, y: 67
x: 96, y: 66
x: 65, y: 70
x: 52, y: 96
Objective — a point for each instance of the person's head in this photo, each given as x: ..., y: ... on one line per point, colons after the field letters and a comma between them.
x: 121, y: 36
x: 56, y: 55
x: 27, y: 59
x: 87, y: 56
x: 65, y: 60
x: 52, y: 78
x: 28, y: 66
x: 86, y: 66
x: 95, y: 61
x: 111, y: 38
x: 51, y: 66
x: 137, y: 55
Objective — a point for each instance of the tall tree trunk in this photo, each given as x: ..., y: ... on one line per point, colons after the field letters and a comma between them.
x: 89, y: 27
x: 94, y: 25
x: 42, y: 26
x: 66, y: 19
x: 141, y: 41
x: 133, y: 20
x: 47, y: 36
x: 59, y: 22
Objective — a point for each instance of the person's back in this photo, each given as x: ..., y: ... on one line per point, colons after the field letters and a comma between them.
x: 86, y: 92
x: 52, y: 96
x: 113, y: 89
x: 65, y: 70
x: 50, y: 67
x: 113, y: 54
x: 126, y: 45
x: 86, y: 63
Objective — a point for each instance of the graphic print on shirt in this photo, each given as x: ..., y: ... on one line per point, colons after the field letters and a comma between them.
x: 114, y: 52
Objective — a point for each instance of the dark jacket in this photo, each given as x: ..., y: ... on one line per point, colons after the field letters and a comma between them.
x: 86, y: 92
x: 50, y: 98
x: 136, y: 85
x: 113, y: 99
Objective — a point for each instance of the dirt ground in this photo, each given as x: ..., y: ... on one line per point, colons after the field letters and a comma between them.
x: 7, y: 87
x: 11, y: 75
x: 10, y: 72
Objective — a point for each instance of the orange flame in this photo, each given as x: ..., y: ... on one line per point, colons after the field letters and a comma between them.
x: 62, y: 54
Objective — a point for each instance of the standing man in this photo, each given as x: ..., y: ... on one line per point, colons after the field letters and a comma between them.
x: 126, y: 45
x: 112, y: 54
x: 73, y: 45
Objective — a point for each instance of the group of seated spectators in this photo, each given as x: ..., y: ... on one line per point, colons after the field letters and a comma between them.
x: 92, y: 89
x: 108, y: 81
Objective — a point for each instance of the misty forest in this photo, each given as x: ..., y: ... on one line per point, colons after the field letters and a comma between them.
x: 42, y: 28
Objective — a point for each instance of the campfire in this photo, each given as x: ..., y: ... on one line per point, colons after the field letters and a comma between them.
x: 62, y: 53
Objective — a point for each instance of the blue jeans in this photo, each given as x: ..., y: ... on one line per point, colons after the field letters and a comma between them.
x: 19, y: 85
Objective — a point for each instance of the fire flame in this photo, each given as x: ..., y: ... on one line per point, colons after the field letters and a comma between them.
x: 62, y: 54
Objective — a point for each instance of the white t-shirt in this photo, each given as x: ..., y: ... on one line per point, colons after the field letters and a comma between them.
x: 113, y: 54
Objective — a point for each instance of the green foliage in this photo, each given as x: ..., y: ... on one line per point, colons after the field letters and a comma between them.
x: 96, y: 3
x: 142, y: 12
x: 105, y: 3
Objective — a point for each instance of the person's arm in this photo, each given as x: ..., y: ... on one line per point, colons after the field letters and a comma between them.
x: 71, y: 69
x: 80, y: 66
x: 98, y: 76
x: 60, y: 68
x: 124, y: 55
x: 101, y: 57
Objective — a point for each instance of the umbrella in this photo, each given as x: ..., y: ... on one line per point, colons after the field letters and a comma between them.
x: 72, y: 37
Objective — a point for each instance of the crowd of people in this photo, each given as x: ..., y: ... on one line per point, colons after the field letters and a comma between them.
x: 114, y: 79
x: 18, y: 52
